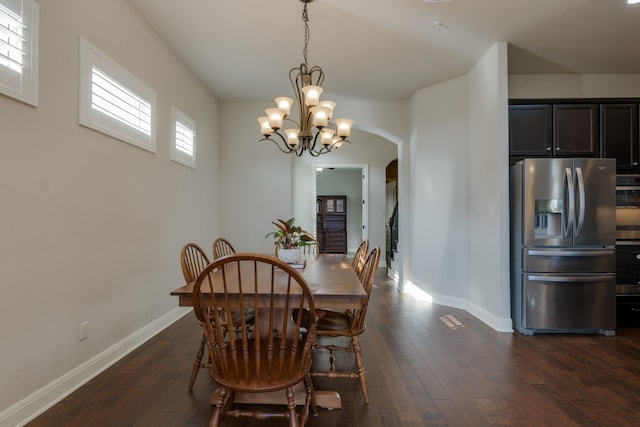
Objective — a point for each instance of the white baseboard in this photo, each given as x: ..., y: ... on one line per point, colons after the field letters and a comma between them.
x: 497, y: 323
x: 35, y: 404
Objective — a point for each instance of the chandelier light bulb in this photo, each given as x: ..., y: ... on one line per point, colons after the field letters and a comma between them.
x: 311, y: 95
x: 265, y: 129
x: 326, y: 138
x: 320, y: 116
x: 292, y: 136
x: 275, y: 116
x: 344, y: 127
x: 284, y: 104
x: 330, y: 105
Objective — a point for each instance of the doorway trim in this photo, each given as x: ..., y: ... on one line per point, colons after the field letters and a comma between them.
x: 364, y: 168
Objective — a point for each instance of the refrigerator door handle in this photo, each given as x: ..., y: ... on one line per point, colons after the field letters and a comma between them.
x: 581, y: 209
x: 569, y: 279
x: 569, y: 196
x: 565, y: 252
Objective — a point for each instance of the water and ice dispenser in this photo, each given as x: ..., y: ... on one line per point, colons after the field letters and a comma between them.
x: 548, y: 218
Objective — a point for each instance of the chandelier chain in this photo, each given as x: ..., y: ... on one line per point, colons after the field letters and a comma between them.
x: 305, y: 19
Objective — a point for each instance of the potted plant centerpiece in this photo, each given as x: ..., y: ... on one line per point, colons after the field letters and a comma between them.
x: 289, y: 238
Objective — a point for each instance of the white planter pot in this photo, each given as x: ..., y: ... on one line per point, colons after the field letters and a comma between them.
x: 289, y: 256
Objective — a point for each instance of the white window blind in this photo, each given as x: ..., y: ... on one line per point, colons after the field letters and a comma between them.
x: 12, y: 54
x: 184, y: 139
x: 19, y: 20
x: 113, y: 101
x: 183, y: 149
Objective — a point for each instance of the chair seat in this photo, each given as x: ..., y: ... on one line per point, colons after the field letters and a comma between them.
x: 249, y: 316
x: 239, y: 375
x: 333, y: 323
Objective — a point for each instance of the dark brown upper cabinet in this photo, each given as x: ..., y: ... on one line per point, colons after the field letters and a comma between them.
x: 576, y: 130
x: 530, y: 130
x: 550, y: 130
x: 595, y: 127
x: 619, y: 135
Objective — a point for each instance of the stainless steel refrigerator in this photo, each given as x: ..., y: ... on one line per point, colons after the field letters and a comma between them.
x: 563, y: 232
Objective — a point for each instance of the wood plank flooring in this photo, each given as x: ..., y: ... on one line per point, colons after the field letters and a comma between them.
x: 427, y: 365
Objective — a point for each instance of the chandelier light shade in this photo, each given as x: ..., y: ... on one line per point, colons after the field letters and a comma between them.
x: 313, y: 131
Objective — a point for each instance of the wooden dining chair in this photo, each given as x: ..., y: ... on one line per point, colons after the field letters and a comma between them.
x: 193, y: 261
x: 360, y: 256
x: 222, y: 247
x: 277, y: 355
x: 351, y: 324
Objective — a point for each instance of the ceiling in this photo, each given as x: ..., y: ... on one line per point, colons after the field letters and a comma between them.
x: 242, y: 50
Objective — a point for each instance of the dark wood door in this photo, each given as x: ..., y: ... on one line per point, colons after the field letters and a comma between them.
x: 530, y: 130
x: 575, y: 130
x: 619, y: 135
x: 332, y: 224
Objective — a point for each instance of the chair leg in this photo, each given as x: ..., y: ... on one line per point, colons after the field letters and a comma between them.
x: 291, y: 406
x: 332, y: 357
x: 360, y: 366
x: 197, y: 364
x: 310, y: 399
x: 222, y: 404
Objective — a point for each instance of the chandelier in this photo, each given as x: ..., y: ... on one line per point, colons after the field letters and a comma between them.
x: 315, y: 132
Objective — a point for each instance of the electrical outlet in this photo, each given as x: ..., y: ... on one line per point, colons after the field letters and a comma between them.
x: 84, y: 331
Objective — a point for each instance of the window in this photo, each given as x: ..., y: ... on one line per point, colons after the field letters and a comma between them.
x: 183, y: 149
x: 115, y: 102
x: 19, y: 50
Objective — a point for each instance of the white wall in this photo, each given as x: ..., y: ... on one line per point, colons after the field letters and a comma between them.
x: 256, y: 180
x: 91, y: 226
x: 488, y: 238
x: 438, y: 253
x: 459, y: 215
x: 574, y: 86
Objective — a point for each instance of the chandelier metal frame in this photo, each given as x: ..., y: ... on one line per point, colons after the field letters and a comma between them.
x: 315, y: 133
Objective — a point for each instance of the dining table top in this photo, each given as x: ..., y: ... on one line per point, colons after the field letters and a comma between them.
x: 330, y: 277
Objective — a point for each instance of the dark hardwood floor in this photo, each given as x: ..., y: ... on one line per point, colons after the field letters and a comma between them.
x: 426, y: 365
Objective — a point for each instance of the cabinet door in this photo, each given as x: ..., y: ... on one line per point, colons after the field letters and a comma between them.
x: 619, y: 135
x: 576, y: 130
x: 628, y: 267
x: 332, y: 224
x: 530, y: 130
x: 335, y: 242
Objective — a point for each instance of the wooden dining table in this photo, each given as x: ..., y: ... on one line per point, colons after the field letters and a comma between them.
x: 334, y: 286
